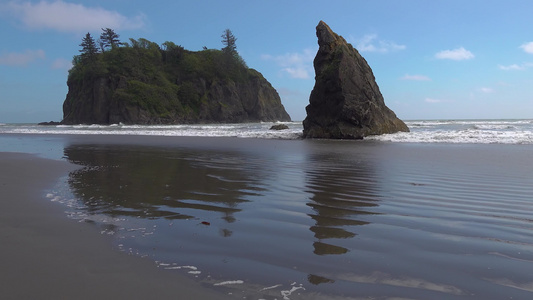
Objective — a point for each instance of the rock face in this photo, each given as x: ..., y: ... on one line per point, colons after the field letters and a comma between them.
x: 279, y: 127
x: 98, y: 101
x: 345, y: 102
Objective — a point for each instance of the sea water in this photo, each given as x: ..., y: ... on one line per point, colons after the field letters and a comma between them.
x: 422, y: 131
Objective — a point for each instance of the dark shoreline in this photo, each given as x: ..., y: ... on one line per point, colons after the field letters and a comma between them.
x: 45, y: 255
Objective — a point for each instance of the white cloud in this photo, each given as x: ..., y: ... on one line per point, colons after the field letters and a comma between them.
x: 21, y: 59
x: 300, y: 73
x: 455, y: 54
x: 432, y: 100
x: 486, y: 90
x: 370, y: 43
x: 511, y: 67
x: 515, y: 67
x: 528, y: 47
x: 62, y: 63
x: 70, y: 17
x: 296, y: 65
x: 415, y: 77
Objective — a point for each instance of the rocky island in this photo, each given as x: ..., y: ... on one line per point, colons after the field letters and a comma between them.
x: 141, y: 82
x: 345, y: 102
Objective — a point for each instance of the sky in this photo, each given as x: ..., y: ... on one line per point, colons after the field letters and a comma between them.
x: 452, y: 59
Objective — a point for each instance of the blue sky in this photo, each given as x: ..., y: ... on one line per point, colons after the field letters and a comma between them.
x: 453, y: 59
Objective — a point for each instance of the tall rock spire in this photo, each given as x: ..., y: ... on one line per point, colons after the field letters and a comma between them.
x: 346, y: 102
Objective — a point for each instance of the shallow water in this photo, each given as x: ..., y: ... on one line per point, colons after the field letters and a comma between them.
x: 311, y: 219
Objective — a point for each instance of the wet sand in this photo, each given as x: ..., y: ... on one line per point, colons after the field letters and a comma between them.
x: 301, y: 219
x: 47, y: 256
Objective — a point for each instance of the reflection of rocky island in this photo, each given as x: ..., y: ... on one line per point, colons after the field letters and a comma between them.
x: 346, y: 102
x: 336, y: 205
x: 142, y: 82
x: 147, y: 183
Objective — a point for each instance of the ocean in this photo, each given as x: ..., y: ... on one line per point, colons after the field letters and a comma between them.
x: 432, y: 131
x: 442, y: 212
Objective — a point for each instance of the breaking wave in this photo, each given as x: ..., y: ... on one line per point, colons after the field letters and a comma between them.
x: 422, y: 131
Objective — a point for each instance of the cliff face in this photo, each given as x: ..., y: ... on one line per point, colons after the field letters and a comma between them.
x: 151, y: 86
x: 345, y: 102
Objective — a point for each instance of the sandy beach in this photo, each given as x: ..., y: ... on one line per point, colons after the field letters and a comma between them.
x: 44, y: 255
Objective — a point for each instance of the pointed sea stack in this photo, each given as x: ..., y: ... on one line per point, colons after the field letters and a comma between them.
x: 346, y: 102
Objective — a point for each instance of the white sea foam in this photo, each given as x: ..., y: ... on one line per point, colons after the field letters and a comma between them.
x: 422, y: 131
x: 271, y: 287
x: 193, y: 269
x: 464, y: 131
x: 230, y: 282
x: 286, y: 293
x: 242, y: 130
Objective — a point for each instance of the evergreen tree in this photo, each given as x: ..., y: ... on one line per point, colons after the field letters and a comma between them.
x: 230, y: 49
x: 88, y: 45
x: 108, y: 38
x: 229, y: 41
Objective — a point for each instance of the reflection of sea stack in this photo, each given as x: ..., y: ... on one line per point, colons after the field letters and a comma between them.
x: 323, y: 249
x: 346, y: 102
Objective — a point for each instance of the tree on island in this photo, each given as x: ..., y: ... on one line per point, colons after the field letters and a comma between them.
x: 89, y: 48
x: 229, y: 40
x: 108, y: 39
x: 230, y: 49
